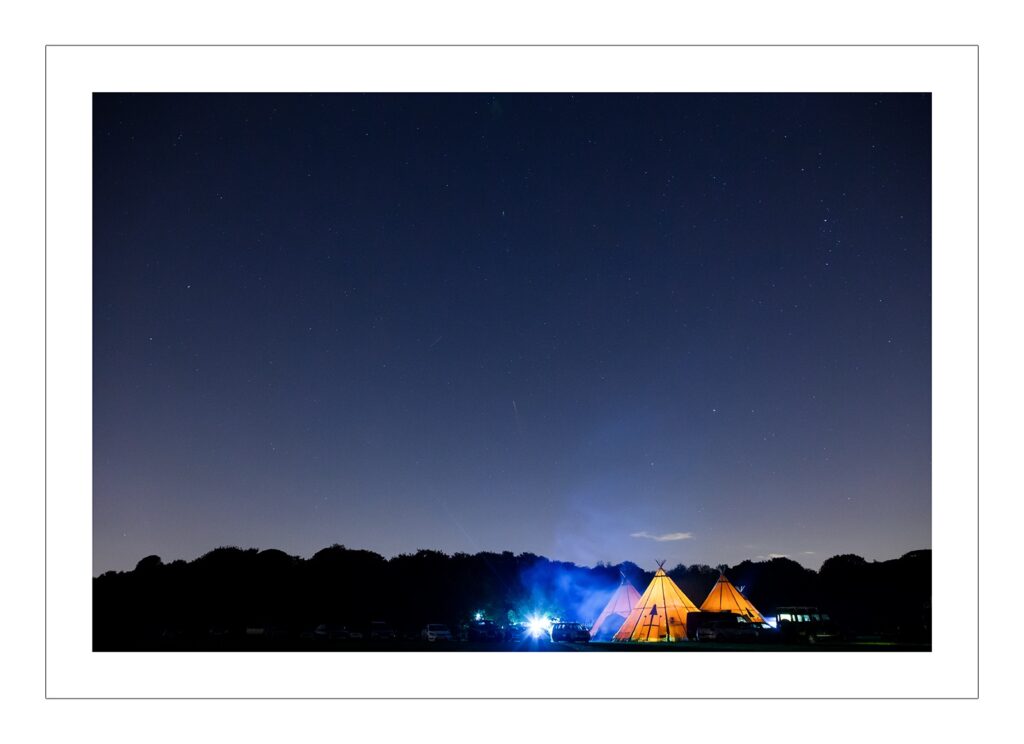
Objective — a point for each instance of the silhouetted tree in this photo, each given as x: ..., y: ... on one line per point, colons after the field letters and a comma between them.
x: 229, y: 589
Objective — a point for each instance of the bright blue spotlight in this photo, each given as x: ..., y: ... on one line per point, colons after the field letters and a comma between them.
x: 538, y: 625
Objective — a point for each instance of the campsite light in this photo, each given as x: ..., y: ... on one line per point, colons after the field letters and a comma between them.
x: 537, y: 625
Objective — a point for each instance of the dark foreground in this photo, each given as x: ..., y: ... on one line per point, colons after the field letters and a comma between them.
x: 407, y: 645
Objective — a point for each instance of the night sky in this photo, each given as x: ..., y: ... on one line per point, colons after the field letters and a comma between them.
x: 592, y: 327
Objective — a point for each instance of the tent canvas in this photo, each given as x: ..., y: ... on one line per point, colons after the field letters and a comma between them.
x: 622, y: 601
x: 725, y: 597
x: 660, y: 614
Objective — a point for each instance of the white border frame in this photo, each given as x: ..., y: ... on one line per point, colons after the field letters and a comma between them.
x: 74, y: 73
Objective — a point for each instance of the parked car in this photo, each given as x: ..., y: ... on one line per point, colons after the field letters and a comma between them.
x: 381, y: 631
x: 436, y: 632
x: 805, y: 625
x: 483, y: 630
x: 723, y: 626
x: 515, y: 632
x: 725, y: 630
x: 330, y: 632
x: 570, y: 633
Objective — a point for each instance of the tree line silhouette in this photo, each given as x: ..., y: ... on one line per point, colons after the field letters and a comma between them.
x: 230, y: 591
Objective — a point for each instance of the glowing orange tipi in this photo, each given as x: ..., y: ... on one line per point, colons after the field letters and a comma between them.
x: 615, y: 612
x: 725, y: 597
x: 660, y: 614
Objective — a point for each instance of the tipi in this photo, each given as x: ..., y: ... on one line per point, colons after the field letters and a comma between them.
x: 725, y: 597
x: 615, y: 612
x: 660, y: 614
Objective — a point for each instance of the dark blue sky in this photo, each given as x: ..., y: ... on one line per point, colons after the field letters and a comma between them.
x: 549, y: 323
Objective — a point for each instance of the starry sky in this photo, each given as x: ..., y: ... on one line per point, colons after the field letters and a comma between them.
x: 594, y: 327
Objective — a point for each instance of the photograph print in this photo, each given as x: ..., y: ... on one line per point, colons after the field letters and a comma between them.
x: 522, y: 372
